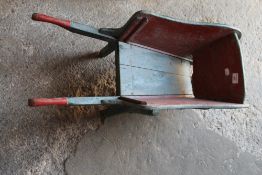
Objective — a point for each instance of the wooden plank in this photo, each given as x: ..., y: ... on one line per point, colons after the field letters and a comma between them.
x: 172, y: 36
x: 180, y: 102
x: 72, y: 101
x: 90, y: 100
x: 138, y: 81
x: 132, y: 100
x: 215, y: 68
x: 145, y: 72
x: 143, y: 58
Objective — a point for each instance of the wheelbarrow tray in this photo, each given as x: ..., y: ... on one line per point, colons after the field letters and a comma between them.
x: 163, y: 63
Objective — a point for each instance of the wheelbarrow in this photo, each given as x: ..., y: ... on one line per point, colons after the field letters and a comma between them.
x: 164, y: 63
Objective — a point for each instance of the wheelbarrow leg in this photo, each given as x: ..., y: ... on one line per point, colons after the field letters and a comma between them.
x: 109, y: 48
x: 119, y: 109
x: 111, y: 111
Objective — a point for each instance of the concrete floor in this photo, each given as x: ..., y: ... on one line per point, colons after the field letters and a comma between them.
x: 40, y: 60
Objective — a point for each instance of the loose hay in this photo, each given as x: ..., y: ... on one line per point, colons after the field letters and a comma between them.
x: 100, y: 85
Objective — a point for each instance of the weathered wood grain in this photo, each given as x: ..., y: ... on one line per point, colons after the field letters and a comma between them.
x: 138, y: 81
x: 143, y: 58
x: 145, y: 72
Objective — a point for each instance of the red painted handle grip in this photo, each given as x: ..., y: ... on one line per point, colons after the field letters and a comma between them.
x: 47, y: 101
x: 50, y: 19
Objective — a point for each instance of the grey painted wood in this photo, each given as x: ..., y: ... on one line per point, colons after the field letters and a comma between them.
x: 144, y: 58
x: 193, y: 106
x: 90, y: 31
x: 144, y: 72
x: 91, y: 100
x: 138, y: 81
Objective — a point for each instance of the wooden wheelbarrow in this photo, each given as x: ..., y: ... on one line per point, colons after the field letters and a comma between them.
x: 163, y: 63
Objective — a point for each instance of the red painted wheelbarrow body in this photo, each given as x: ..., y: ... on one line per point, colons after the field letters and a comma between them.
x: 163, y: 63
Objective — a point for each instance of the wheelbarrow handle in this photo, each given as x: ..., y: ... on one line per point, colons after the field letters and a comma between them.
x: 74, y: 27
x: 45, y: 18
x: 72, y: 101
x: 47, y: 101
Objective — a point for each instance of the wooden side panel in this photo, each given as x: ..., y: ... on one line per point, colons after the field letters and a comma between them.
x: 182, y: 102
x: 138, y: 81
x: 171, y: 36
x: 218, y: 73
x: 145, y: 72
x: 143, y: 58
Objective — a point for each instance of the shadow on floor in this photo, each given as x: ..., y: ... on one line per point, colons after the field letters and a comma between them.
x: 173, y: 143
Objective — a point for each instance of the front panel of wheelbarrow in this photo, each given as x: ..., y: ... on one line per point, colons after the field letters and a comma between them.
x: 170, y: 36
x: 218, y: 71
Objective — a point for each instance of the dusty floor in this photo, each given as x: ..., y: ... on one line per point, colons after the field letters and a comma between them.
x: 40, y: 60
